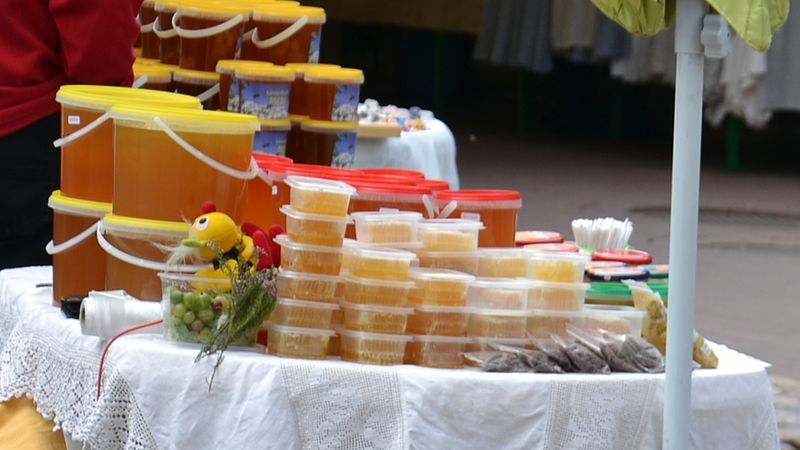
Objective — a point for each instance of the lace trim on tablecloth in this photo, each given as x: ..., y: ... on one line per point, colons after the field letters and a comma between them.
x: 618, y: 413
x: 63, y: 383
x: 341, y: 407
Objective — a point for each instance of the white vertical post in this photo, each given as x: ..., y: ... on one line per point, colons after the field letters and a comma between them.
x: 683, y: 222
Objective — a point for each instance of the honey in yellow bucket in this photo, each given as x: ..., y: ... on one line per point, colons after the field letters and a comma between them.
x: 202, y: 85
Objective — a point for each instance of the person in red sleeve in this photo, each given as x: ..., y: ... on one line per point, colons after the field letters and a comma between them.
x: 45, y: 44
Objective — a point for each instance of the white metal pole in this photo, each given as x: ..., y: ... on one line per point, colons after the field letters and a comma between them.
x: 683, y: 222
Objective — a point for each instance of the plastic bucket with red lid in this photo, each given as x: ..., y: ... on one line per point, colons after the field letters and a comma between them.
x: 434, y: 185
x: 377, y: 195
x: 497, y: 209
x: 371, y: 178
x: 260, y: 206
x: 395, y: 171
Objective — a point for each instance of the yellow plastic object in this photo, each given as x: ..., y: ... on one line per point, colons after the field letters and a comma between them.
x: 645, y: 17
x: 307, y: 343
x: 264, y: 71
x: 70, y: 205
x: 338, y: 75
x: 285, y: 12
x: 155, y: 73
x: 104, y: 97
x: 201, y: 121
x: 301, y: 68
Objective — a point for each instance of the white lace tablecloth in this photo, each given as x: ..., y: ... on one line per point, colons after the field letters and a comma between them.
x: 432, y: 152
x: 155, y: 396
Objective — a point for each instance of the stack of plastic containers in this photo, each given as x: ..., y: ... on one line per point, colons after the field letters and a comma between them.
x: 499, y: 313
x: 450, y: 244
x: 557, y: 292
x: 311, y: 256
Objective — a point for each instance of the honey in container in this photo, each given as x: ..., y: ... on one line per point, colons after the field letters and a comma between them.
x: 497, y: 209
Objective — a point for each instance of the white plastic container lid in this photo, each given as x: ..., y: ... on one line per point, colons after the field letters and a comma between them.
x: 450, y: 224
x: 379, y: 283
x: 500, y: 283
x: 501, y: 312
x: 502, y: 251
x: 555, y: 313
x: 297, y: 330
x: 514, y: 342
x: 434, y: 274
x: 306, y: 303
x: 614, y: 310
x: 320, y: 185
x: 534, y: 284
x: 284, y: 241
x: 386, y: 216
x: 452, y: 254
x: 374, y: 336
x: 443, y: 309
x: 550, y: 256
x: 442, y: 339
x: 376, y: 308
x: 294, y: 214
x: 309, y: 276
x: 383, y: 253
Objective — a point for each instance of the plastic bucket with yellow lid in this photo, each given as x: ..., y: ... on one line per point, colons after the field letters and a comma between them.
x: 333, y: 93
x: 326, y: 143
x: 228, y: 85
x: 87, y: 136
x: 298, y: 103
x: 135, y: 253
x: 264, y: 90
x: 162, y: 27
x: 285, y: 34
x: 271, y: 139
x: 203, y: 85
x: 208, y: 32
x: 153, y: 76
x: 78, y: 261
x: 150, y: 42
x: 169, y: 161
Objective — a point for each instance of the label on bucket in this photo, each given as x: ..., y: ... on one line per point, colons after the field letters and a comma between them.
x: 272, y: 142
x: 233, y: 95
x: 313, y: 47
x: 265, y: 100
x: 344, y: 151
x: 345, y: 103
x: 74, y: 120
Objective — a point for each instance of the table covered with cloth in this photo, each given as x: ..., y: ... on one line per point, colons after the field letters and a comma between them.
x: 154, y: 395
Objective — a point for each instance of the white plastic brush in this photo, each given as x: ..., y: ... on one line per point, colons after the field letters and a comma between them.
x: 605, y: 232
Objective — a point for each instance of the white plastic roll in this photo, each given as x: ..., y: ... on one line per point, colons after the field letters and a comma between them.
x: 104, y: 314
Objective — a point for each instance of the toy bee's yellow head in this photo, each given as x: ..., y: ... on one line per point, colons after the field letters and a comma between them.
x: 213, y: 233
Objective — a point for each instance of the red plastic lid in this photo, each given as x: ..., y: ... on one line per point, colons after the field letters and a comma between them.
x: 383, y: 188
x: 631, y: 257
x: 308, y: 169
x: 481, y: 195
x: 538, y: 237
x: 435, y: 185
x: 370, y: 178
x: 568, y: 247
x: 395, y: 171
x: 265, y: 160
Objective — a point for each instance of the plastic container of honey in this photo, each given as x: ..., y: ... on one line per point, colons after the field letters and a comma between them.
x: 558, y: 267
x: 449, y: 235
x: 309, y: 258
x: 438, y: 320
x: 303, y: 314
x: 285, y: 34
x: 439, y: 287
x: 308, y: 286
x: 193, y: 155
x: 373, y: 348
x: 376, y: 195
x: 169, y: 43
x: 272, y: 137
x: 375, y: 318
x: 497, y: 209
x: 366, y: 291
x: 497, y: 323
x: 327, y: 143
x: 548, y: 295
x: 305, y: 343
x: 133, y: 257
x: 87, y: 136
x: 208, y: 32
x: 543, y: 323
x: 314, y: 229
x: 446, y: 352
x: 333, y: 93
x: 498, y: 293
x: 78, y: 260
x: 466, y: 262
x: 153, y: 76
x: 503, y: 262
x: 318, y: 196
x: 151, y: 47
x: 614, y: 318
x: 298, y: 102
x: 228, y: 84
x: 264, y: 90
x: 386, y: 227
x: 277, y: 175
x: 381, y: 263
x: 198, y: 84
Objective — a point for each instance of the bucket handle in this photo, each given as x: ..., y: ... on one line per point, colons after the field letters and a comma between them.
x: 139, y: 82
x: 53, y: 249
x: 141, y: 262
x: 248, y: 174
x: 146, y: 27
x: 205, y: 32
x: 263, y: 176
x: 429, y: 206
x: 82, y: 132
x: 448, y: 209
x: 208, y: 93
x: 280, y: 37
x: 163, y: 34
